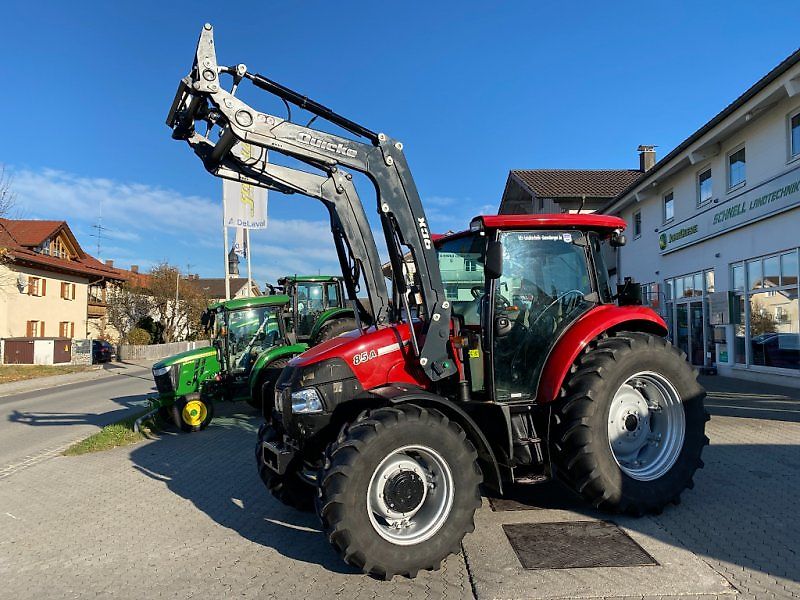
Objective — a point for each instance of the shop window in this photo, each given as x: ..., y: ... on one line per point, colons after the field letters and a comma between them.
x: 794, y: 136
x: 789, y: 268
x: 704, y: 185
x: 669, y: 207
x: 772, y: 272
x: 710, y: 282
x: 737, y: 277
x: 637, y: 224
x: 736, y: 168
x: 668, y: 289
x: 754, y: 274
x: 679, y: 287
x: 774, y: 330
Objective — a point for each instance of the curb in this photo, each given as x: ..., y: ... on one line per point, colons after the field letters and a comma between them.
x: 41, y: 383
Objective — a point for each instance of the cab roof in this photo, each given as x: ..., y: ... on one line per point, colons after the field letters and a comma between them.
x: 588, y: 221
x: 553, y: 221
x: 240, y: 303
x: 311, y: 278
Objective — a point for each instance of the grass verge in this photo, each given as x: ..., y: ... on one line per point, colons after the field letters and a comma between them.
x: 113, y: 436
x: 9, y: 373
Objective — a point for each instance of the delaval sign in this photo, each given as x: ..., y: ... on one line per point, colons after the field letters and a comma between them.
x: 245, y: 204
x: 772, y: 197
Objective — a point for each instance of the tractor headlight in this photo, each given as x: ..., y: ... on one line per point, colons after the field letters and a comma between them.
x: 160, y: 371
x: 306, y: 401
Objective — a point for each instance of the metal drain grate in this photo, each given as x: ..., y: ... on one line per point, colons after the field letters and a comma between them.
x: 576, y: 545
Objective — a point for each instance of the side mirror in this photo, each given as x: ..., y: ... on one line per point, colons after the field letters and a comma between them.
x: 618, y: 240
x: 493, y: 266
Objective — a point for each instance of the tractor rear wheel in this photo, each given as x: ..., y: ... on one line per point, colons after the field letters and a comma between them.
x: 630, y: 429
x: 192, y: 413
x: 334, y: 328
x: 287, y: 487
x: 399, y: 490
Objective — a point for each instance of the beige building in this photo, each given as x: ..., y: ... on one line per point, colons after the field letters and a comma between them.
x: 49, y: 287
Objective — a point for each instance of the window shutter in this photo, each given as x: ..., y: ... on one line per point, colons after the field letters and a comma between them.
x: 44, y: 287
x: 72, y: 328
x: 72, y: 297
x: 29, y: 329
x: 41, y: 328
x: 31, y: 282
x: 64, y: 285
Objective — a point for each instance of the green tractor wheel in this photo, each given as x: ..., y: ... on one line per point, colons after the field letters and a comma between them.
x: 334, y: 328
x: 193, y: 413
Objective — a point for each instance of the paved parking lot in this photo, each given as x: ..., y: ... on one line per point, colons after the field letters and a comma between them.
x: 185, y: 516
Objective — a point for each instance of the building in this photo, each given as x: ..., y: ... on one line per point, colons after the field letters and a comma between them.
x: 214, y: 287
x: 49, y: 286
x: 547, y: 191
x: 714, y: 230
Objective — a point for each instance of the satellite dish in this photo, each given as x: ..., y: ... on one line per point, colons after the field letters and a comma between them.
x: 22, y: 281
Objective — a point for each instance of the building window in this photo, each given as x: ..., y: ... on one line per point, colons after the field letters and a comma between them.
x: 637, y: 224
x: 66, y: 329
x: 37, y: 286
x: 669, y: 207
x: 736, y: 168
x: 67, y: 290
x: 704, y: 184
x: 794, y: 136
x: 470, y: 265
x: 35, y: 329
x: 767, y: 322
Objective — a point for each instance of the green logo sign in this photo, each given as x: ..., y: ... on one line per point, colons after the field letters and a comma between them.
x: 662, y: 241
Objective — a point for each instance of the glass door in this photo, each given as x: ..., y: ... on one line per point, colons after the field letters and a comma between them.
x: 697, y: 356
x: 682, y: 327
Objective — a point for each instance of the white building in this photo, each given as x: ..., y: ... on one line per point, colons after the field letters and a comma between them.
x: 714, y: 230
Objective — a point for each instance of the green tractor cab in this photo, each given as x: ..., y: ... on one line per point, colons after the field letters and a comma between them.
x: 250, y: 346
x: 318, y: 307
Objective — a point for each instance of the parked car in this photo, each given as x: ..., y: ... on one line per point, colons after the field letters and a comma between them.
x: 102, y: 351
x: 777, y: 350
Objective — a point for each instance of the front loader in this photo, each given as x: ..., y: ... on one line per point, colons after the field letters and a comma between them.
x: 505, y: 361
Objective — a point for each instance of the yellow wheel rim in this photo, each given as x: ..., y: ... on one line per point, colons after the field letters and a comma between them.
x: 194, y: 413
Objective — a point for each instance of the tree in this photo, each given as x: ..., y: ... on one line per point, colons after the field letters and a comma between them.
x: 128, y: 305
x: 177, y: 303
x: 7, y: 196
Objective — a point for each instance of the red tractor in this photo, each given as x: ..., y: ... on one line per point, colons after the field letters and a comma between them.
x: 503, y: 359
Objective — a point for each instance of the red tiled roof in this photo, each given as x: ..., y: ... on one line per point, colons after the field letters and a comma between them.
x: 19, y: 237
x: 575, y: 183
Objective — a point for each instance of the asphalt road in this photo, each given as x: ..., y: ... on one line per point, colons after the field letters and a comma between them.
x: 36, y: 424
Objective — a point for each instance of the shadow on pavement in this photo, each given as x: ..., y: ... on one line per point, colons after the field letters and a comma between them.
x: 739, y: 513
x: 215, y: 470
x: 54, y: 419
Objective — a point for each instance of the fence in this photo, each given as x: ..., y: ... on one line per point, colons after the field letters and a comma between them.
x: 155, y: 351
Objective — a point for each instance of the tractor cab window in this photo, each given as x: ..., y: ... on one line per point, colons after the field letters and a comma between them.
x: 546, y: 284
x: 251, y: 332
x: 461, y: 265
x: 333, y: 295
x: 310, y: 304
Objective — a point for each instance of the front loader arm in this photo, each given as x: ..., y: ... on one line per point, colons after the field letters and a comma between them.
x: 355, y: 245
x: 200, y: 97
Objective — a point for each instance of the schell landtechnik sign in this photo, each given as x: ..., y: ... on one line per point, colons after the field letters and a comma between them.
x: 769, y: 198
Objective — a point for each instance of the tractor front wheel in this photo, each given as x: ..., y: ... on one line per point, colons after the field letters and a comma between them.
x: 193, y: 413
x: 399, y: 490
x: 630, y: 429
x: 287, y: 487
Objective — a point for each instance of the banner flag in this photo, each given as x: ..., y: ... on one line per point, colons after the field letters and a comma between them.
x: 240, y: 243
x: 245, y: 204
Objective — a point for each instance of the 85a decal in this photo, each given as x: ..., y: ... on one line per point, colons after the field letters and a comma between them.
x: 363, y: 357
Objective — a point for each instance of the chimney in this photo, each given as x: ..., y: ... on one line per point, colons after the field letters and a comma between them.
x: 109, y: 263
x: 134, y: 268
x: 647, y: 157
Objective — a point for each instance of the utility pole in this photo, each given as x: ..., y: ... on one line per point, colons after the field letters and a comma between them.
x: 225, y: 249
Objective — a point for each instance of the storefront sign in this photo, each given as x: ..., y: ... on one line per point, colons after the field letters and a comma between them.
x: 769, y: 198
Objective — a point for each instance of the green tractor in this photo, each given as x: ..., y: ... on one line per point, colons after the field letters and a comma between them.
x: 252, y: 340
x: 250, y: 346
x: 318, y: 307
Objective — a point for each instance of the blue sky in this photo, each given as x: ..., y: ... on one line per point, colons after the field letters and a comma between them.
x: 472, y: 89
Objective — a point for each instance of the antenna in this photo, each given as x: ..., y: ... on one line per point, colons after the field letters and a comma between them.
x: 99, y: 229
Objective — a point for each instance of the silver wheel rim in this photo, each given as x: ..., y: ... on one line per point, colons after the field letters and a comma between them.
x: 646, y: 426
x: 422, y: 521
